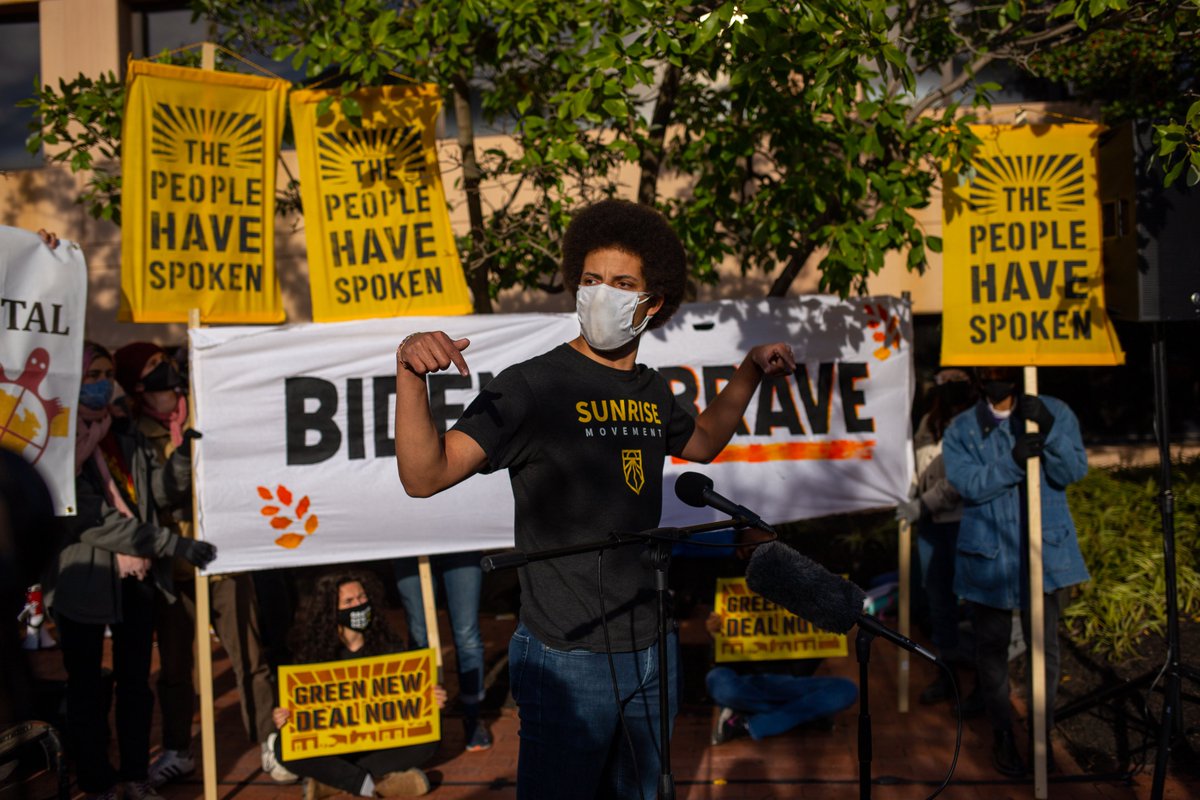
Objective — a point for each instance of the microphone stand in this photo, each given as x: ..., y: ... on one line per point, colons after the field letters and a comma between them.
x: 862, y: 647
x: 660, y: 557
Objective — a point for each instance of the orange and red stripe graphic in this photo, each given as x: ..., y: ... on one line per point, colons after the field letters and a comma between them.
x: 832, y: 450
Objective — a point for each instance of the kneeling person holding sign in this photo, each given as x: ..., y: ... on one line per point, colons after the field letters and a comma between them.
x: 337, y: 623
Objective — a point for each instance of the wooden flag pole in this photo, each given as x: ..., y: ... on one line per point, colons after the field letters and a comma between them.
x: 204, y: 667
x: 1037, y: 602
x: 905, y: 610
x: 432, y: 634
x: 905, y: 590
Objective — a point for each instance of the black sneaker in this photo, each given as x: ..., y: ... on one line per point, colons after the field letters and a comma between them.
x: 1005, y: 757
x: 730, y: 725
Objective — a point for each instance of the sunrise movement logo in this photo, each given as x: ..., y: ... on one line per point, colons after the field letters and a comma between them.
x: 178, y: 133
x: 1057, y: 180
x: 631, y: 465
x: 341, y: 155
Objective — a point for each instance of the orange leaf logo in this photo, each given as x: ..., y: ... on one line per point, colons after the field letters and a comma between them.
x: 280, y: 520
x: 885, y: 330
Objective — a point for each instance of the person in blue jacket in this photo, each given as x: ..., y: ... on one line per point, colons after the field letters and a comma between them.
x: 986, y: 450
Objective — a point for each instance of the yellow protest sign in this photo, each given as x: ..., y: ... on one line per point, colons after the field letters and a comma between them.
x: 376, y: 223
x: 359, y: 704
x: 1022, y: 282
x: 755, y: 629
x: 198, y: 153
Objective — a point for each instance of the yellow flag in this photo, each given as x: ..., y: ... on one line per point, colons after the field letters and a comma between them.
x: 198, y: 160
x: 1022, y: 281
x: 378, y: 230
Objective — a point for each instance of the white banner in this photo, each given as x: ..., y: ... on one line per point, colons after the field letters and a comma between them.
x: 296, y: 465
x: 43, y: 301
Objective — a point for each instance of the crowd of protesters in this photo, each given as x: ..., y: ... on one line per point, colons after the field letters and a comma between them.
x: 124, y: 567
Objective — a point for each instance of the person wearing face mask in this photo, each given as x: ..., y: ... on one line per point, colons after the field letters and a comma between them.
x: 583, y: 431
x: 986, y: 451
x: 935, y: 510
x: 340, y: 620
x: 115, y: 559
x: 158, y: 406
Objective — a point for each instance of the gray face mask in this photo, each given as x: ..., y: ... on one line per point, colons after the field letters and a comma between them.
x: 606, y: 315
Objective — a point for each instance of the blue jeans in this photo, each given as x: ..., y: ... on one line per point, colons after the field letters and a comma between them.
x: 461, y: 579
x: 572, y: 744
x: 775, y: 704
x: 937, y: 549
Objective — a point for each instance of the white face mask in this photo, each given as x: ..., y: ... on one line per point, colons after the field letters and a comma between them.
x: 606, y: 315
x: 997, y: 413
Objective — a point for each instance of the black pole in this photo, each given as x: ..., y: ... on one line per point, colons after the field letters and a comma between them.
x: 862, y: 646
x: 666, y: 782
x: 1171, y: 724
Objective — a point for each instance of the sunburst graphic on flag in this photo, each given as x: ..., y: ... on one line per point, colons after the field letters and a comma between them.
x: 999, y: 180
x: 176, y: 128
x: 343, y: 154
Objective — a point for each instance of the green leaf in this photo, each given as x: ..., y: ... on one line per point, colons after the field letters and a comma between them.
x: 934, y: 243
x: 614, y: 108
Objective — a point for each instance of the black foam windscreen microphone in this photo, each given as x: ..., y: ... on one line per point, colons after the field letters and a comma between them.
x: 790, y: 579
x: 696, y: 490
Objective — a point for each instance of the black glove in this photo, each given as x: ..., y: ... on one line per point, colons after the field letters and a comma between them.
x: 1031, y: 407
x: 189, y: 435
x: 195, y: 552
x: 1028, y: 446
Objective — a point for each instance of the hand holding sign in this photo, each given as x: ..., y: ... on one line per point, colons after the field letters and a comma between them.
x: 1028, y: 446
x: 434, y: 351
x: 1031, y: 407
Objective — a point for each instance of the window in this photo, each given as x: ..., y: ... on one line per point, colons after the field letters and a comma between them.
x: 20, y: 64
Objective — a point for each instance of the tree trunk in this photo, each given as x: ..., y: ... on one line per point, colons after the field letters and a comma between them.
x: 784, y: 282
x: 477, y: 273
x: 650, y: 160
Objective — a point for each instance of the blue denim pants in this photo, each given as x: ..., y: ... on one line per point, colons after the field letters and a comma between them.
x: 775, y: 704
x: 572, y: 744
x: 461, y: 579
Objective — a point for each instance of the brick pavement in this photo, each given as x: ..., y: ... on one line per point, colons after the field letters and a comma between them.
x: 912, y: 751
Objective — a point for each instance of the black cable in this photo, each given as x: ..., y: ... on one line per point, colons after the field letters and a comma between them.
x: 958, y: 732
x: 612, y: 673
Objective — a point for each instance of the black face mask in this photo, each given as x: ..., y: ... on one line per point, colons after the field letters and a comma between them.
x: 995, y: 391
x: 956, y: 394
x: 163, y: 378
x: 357, y: 618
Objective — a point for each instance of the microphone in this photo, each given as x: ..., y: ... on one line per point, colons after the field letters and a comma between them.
x: 808, y: 590
x: 696, y: 490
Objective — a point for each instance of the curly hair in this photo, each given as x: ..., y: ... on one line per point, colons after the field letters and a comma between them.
x: 314, y: 637
x: 634, y: 229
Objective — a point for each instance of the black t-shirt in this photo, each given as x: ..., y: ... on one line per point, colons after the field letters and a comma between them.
x: 584, y: 445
